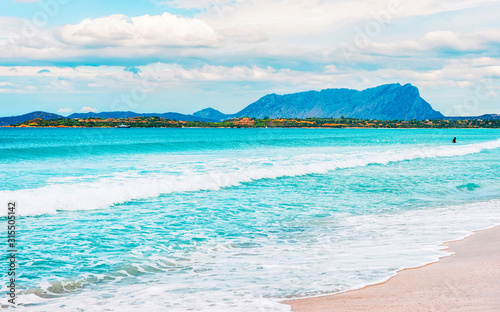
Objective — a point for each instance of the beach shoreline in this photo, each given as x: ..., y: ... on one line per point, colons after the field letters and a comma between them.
x: 467, y: 280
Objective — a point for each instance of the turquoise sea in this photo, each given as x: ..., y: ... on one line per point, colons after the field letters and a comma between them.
x: 234, y: 219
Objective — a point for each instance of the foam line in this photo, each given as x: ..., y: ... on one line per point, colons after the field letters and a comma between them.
x: 105, y: 192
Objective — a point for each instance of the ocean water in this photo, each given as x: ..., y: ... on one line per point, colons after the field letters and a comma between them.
x: 234, y: 219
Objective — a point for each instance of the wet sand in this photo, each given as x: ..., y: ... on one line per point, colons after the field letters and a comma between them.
x: 468, y: 281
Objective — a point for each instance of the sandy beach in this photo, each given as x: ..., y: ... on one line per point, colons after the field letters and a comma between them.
x: 469, y: 280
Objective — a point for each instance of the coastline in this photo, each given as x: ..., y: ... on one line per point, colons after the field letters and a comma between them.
x: 247, y: 122
x: 468, y: 280
x: 380, y: 128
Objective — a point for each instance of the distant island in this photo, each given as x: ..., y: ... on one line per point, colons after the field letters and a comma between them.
x: 246, y: 122
x: 383, y: 104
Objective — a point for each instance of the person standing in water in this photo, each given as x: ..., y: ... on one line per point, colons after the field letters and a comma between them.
x: 454, y: 140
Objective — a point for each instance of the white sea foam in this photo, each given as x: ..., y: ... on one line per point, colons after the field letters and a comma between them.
x: 211, y: 175
x: 356, y: 251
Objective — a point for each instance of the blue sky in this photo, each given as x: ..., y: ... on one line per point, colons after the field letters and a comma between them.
x: 67, y: 56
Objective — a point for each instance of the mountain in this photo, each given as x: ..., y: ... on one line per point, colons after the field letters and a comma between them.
x: 210, y: 113
x: 106, y: 115
x: 5, y: 121
x: 386, y: 102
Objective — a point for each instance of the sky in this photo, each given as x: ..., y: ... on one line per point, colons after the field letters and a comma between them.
x: 69, y: 56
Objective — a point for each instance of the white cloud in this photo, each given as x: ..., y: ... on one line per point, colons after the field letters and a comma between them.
x: 166, y: 30
x: 434, y: 43
x: 158, y: 77
x: 164, y: 76
x: 240, y: 34
x: 65, y: 110
x: 331, y: 69
x: 485, y: 61
x: 292, y: 16
x: 232, y: 31
x: 88, y: 109
x: 200, y: 4
x: 472, y: 41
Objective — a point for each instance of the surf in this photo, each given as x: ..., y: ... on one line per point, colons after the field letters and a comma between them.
x: 212, y: 175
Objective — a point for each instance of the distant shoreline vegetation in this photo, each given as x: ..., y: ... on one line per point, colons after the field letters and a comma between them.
x: 245, y: 122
